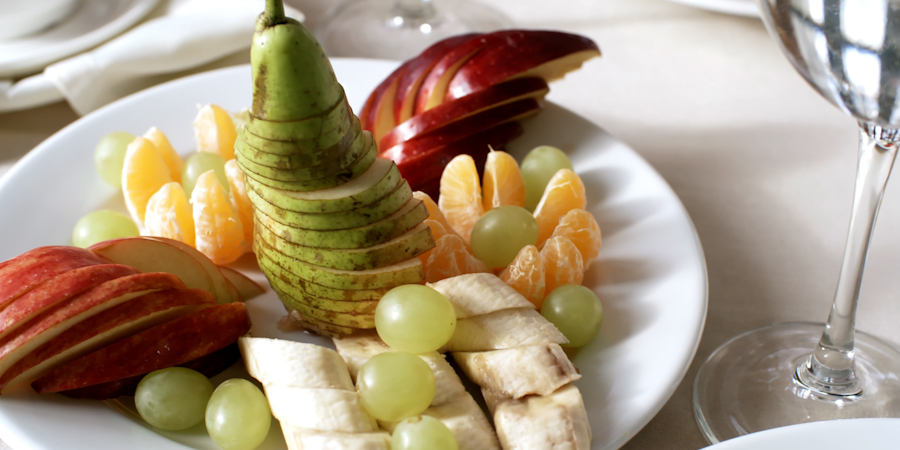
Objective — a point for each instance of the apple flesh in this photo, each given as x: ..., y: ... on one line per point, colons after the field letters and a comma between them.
x: 209, y: 365
x: 56, y: 290
x: 520, y: 54
x: 165, y: 345
x: 105, y: 328
x: 24, y: 272
x: 66, y: 314
x: 457, y: 109
x: 246, y: 288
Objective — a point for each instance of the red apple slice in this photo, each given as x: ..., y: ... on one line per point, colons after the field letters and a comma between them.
x: 68, y: 313
x: 246, y: 287
x: 33, y: 267
x: 209, y: 365
x: 169, y: 344
x: 457, y: 109
x: 155, y: 254
x: 459, y: 129
x: 416, y: 71
x: 521, y: 53
x: 57, y: 289
x: 429, y: 165
x: 434, y: 86
x: 104, y: 328
x: 368, y: 117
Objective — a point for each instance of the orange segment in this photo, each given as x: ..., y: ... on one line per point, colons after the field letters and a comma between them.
x: 239, y: 198
x: 169, y: 214
x: 503, y: 183
x: 170, y: 156
x: 215, y: 132
x: 437, y: 231
x: 434, y: 213
x: 580, y: 227
x: 461, y: 195
x: 219, y: 232
x: 562, y: 263
x: 525, y: 274
x: 143, y: 173
x: 449, y: 258
x: 564, y: 192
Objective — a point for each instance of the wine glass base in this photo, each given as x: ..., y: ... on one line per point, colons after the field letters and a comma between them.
x: 748, y: 384
x: 379, y: 29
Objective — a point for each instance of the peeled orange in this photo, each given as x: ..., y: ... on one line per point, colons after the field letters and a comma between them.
x: 562, y: 263
x: 450, y: 258
x: 170, y: 156
x: 219, y: 232
x: 169, y: 214
x: 460, y: 199
x: 239, y: 198
x: 143, y: 173
x: 525, y: 274
x: 215, y: 131
x: 564, y: 192
x: 503, y: 184
x: 580, y: 227
x: 437, y: 231
x: 434, y: 213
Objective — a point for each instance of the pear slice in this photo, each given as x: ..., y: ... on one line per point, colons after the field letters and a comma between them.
x: 325, y: 305
x: 405, y: 219
x: 322, y: 158
x: 307, y: 128
x: 296, y: 286
x: 303, y: 150
x: 409, y: 245
x: 382, y: 178
x: 323, y: 328
x: 406, y: 272
x: 355, y: 169
x: 344, y: 319
x: 330, y: 167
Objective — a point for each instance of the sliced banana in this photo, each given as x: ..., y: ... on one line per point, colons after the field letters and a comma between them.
x: 281, y: 362
x: 479, y: 293
x: 519, y: 371
x: 555, y: 421
x: 303, y: 439
x: 503, y: 329
x: 466, y: 421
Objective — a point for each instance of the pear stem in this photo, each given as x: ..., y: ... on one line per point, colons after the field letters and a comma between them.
x: 274, y: 11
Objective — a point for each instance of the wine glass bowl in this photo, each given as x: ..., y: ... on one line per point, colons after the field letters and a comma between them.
x: 784, y: 374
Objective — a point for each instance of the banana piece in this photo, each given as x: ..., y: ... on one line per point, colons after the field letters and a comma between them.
x: 555, y: 421
x: 320, y: 409
x: 520, y: 371
x: 466, y: 421
x: 479, y: 293
x: 507, y: 328
x: 280, y: 362
x: 303, y: 439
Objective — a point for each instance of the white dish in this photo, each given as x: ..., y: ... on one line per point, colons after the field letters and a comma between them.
x: 24, y: 17
x: 90, y: 23
x: 737, y: 7
x: 651, y: 275
x: 869, y: 434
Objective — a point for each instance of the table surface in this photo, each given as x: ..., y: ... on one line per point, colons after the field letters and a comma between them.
x: 764, y: 166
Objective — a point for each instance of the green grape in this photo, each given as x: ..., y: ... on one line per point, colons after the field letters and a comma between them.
x: 576, y: 311
x: 102, y: 225
x: 238, y: 415
x: 422, y: 432
x: 414, y: 318
x: 395, y: 385
x: 538, y: 167
x: 109, y: 156
x: 500, y: 233
x: 173, y: 398
x: 198, y: 164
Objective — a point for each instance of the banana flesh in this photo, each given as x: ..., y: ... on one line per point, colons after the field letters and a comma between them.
x: 520, y: 371
x: 303, y: 439
x: 273, y: 362
x: 466, y: 421
x: 320, y: 409
x: 507, y: 328
x: 479, y: 293
x: 555, y: 421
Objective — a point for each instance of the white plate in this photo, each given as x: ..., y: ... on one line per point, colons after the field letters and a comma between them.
x: 91, y: 23
x: 651, y: 275
x: 737, y: 7
x: 869, y: 434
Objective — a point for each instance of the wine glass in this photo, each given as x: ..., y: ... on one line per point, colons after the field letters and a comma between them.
x: 784, y: 374
x: 401, y: 29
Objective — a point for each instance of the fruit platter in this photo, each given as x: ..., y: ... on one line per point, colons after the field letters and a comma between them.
x: 649, y: 274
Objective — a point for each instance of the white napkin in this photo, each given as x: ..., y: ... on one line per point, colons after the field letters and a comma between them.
x: 189, y: 33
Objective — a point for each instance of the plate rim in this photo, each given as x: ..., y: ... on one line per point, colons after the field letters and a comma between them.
x: 733, y: 7
x: 703, y: 281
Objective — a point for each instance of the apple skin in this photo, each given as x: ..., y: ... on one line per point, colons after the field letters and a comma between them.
x: 458, y: 109
x: 460, y: 129
x: 165, y: 345
x: 425, y: 170
x: 66, y: 314
x: 105, y: 328
x: 209, y: 365
x: 33, y: 267
x: 416, y: 71
x: 521, y: 53
x: 368, y: 116
x: 56, y: 290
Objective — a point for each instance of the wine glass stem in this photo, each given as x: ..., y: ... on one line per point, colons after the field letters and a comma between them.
x: 830, y: 369
x: 414, y: 10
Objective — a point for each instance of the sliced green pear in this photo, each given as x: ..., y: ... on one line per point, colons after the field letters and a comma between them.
x: 405, y: 219
x: 354, y: 170
x: 406, y: 272
x: 298, y: 287
x: 359, y: 217
x: 330, y: 168
x: 294, y: 296
x: 298, y: 159
x: 346, y: 319
x: 381, y: 179
x: 323, y: 328
x: 307, y: 128
x: 409, y: 245
x: 303, y: 149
